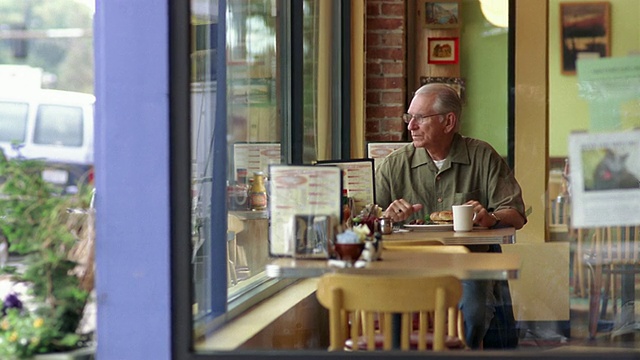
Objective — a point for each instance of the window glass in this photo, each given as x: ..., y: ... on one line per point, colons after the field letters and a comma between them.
x: 257, y: 77
x: 13, y: 121
x: 59, y: 125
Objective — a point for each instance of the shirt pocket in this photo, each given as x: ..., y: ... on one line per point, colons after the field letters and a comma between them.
x: 463, y: 197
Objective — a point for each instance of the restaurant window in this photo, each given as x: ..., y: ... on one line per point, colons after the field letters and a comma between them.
x: 246, y: 93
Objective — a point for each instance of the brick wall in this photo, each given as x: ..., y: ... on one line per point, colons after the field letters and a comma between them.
x: 386, y: 76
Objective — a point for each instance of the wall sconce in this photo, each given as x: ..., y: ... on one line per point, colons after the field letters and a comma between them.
x: 496, y: 12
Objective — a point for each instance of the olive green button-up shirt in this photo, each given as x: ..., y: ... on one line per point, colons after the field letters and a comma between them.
x: 473, y: 170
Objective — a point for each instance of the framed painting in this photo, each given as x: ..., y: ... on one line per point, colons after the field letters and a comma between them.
x: 458, y: 84
x: 443, y: 50
x: 441, y: 14
x: 585, y: 33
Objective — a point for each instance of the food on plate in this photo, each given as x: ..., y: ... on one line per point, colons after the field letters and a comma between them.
x: 442, y: 217
x: 417, y: 222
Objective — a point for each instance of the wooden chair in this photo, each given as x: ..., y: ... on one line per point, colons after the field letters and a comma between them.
x: 362, y: 298
x: 234, y: 226
x: 449, y: 249
x: 421, y: 242
x: 614, y: 252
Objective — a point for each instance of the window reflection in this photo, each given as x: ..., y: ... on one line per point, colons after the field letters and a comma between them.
x: 256, y: 79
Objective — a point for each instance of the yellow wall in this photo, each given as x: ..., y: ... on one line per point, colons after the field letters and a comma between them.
x: 567, y: 111
x: 531, y: 125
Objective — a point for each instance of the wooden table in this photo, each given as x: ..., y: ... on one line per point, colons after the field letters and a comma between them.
x: 450, y: 237
x: 464, y: 266
x: 495, y: 266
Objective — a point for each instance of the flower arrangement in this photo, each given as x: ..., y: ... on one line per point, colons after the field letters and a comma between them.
x: 38, y: 225
x: 368, y: 216
x: 22, y: 333
x: 355, y: 235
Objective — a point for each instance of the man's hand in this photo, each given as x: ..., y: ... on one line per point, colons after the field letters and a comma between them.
x: 483, y: 217
x: 508, y: 217
x: 400, y: 210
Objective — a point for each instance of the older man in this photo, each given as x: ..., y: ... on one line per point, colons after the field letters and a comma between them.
x: 441, y: 168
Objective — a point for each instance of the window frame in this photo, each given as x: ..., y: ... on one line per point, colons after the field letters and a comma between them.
x: 180, y: 145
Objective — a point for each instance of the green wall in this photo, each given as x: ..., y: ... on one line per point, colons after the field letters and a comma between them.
x: 567, y: 110
x: 485, y: 74
x: 485, y: 113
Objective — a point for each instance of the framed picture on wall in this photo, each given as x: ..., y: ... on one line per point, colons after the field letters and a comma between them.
x: 443, y: 50
x: 458, y: 84
x: 585, y: 33
x: 441, y: 14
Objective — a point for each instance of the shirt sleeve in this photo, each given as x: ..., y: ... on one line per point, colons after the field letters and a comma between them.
x: 504, y: 190
x: 383, y: 184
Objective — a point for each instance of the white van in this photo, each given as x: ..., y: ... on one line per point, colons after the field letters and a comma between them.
x: 52, y: 125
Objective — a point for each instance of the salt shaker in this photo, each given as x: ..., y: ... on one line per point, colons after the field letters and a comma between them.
x: 386, y: 225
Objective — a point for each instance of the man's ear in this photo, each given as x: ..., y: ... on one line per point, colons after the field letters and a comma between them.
x: 450, y: 122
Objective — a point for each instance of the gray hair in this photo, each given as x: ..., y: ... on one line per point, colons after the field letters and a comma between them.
x: 447, y: 99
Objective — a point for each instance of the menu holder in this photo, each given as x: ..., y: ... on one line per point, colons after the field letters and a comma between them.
x: 379, y: 150
x: 304, y: 206
x: 357, y: 179
x: 255, y: 157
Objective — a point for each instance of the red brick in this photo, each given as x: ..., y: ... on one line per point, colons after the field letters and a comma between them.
x: 384, y: 137
x: 373, y: 8
x: 373, y: 39
x: 393, y: 9
x: 385, y: 53
x: 374, y: 68
x: 373, y: 97
x: 389, y: 97
x: 372, y: 126
x: 375, y: 83
x: 383, y: 23
x: 394, y: 83
x: 394, y: 112
x: 395, y: 68
x: 392, y: 125
x: 390, y: 39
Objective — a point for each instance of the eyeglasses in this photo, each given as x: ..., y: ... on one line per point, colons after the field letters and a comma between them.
x: 420, y: 119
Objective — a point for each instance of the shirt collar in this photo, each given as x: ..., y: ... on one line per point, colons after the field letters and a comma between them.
x: 459, y: 153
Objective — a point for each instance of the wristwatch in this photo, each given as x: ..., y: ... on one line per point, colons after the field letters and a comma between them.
x: 497, y: 218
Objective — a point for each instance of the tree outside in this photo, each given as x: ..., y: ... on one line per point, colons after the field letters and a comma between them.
x: 55, y: 35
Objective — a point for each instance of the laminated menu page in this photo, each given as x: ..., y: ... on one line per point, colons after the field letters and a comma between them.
x: 357, y: 179
x: 304, y: 204
x: 379, y: 150
x: 255, y: 157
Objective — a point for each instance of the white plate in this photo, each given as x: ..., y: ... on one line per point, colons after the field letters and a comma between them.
x: 430, y: 227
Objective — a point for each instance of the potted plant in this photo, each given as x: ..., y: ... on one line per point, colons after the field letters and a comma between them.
x: 56, y: 249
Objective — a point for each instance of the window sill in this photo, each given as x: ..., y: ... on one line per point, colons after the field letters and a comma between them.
x: 239, y: 330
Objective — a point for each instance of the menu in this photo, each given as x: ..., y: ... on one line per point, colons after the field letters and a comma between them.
x: 357, y: 179
x: 379, y: 150
x: 255, y: 156
x: 304, y: 202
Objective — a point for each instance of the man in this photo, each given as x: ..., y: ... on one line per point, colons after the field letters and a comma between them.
x: 441, y: 168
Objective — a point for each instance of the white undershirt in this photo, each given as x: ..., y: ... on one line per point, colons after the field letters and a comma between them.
x: 439, y: 163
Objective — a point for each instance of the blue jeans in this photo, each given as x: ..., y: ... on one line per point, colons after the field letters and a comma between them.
x: 488, y: 313
x: 478, y: 305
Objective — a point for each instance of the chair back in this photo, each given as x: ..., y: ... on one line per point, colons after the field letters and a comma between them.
x: 362, y: 298
x: 446, y: 249
x: 435, y: 242
x: 612, y: 245
x: 606, y: 252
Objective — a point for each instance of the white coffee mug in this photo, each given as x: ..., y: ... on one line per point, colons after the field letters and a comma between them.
x: 463, y: 217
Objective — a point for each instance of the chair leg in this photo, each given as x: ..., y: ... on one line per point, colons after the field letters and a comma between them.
x: 605, y: 295
x: 594, y: 301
